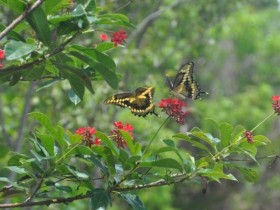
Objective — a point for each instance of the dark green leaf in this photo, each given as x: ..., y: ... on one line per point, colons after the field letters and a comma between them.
x: 48, y: 142
x: 38, y: 21
x: 91, y: 6
x: 13, y: 35
x: 169, y: 142
x: 133, y: 201
x: 129, y: 141
x: 63, y: 188
x: 108, y: 157
x: 100, y: 199
x: 163, y: 163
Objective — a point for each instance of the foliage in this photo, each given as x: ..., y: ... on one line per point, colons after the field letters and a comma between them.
x: 62, y: 167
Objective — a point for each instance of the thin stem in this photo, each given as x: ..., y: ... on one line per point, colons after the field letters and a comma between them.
x: 61, y: 158
x: 145, y: 150
x: 263, y: 121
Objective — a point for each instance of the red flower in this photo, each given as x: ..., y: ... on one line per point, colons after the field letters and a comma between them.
x: 117, y: 136
x: 249, y: 136
x: 174, y: 108
x: 276, y: 104
x: 119, y: 37
x: 103, y: 37
x: 2, y: 54
x: 87, y: 133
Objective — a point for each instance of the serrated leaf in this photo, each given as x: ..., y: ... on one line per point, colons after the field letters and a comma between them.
x: 133, y: 201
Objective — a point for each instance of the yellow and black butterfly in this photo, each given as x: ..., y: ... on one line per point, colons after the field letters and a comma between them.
x: 140, y: 102
x: 184, y: 86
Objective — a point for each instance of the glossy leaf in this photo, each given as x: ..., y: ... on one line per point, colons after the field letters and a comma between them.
x: 16, y: 49
x: 100, y: 199
x: 38, y: 21
x: 44, y: 120
x: 133, y: 201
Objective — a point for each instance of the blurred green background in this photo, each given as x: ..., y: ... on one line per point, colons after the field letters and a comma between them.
x: 236, y: 49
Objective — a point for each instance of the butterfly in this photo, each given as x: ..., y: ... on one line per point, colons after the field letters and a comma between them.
x: 184, y: 86
x: 139, y: 102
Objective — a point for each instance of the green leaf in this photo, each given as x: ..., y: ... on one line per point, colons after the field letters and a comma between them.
x: 38, y: 21
x: 76, y: 82
x: 163, y: 163
x: 13, y: 35
x: 249, y: 174
x: 16, y: 5
x: 90, y: 6
x: 44, y: 120
x: 63, y: 188
x: 237, y: 133
x: 97, y: 162
x: 17, y: 169
x: 95, y: 55
x: 194, y: 142
x: 15, y: 159
x: 216, y: 173
x: 105, y: 46
x: 47, y: 142
x: 169, y: 142
x: 15, y: 49
x: 133, y: 201
x: 78, y: 174
x: 108, y: 142
x: 100, y: 199
x: 108, y: 157
x: 54, y: 6
x: 129, y: 141
x: 225, y: 134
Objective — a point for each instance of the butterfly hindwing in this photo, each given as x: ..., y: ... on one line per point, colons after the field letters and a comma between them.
x: 184, y: 85
x: 140, y: 102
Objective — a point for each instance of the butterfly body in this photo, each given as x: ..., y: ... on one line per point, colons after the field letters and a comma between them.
x: 139, y: 102
x: 184, y: 86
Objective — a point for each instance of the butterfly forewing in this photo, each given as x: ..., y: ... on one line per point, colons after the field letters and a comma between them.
x: 140, y: 102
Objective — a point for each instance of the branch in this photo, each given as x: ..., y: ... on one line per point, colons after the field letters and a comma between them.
x: 35, y: 191
x: 177, y: 179
x: 46, y: 202
x: 20, y: 18
x: 39, y: 60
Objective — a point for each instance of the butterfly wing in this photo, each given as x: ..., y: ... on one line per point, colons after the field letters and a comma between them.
x: 184, y: 85
x: 140, y: 102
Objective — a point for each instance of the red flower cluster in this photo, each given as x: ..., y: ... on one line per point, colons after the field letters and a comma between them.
x: 87, y: 133
x: 2, y: 58
x: 117, y: 136
x: 103, y: 37
x: 119, y: 37
x: 276, y: 104
x: 249, y: 136
x: 174, y: 108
